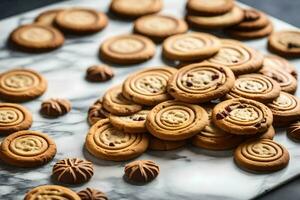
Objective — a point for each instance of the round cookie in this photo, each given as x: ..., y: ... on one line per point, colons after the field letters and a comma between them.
x: 91, y: 194
x: 127, y: 49
x: 14, y: 117
x: 164, y: 145
x: 249, y: 35
x: 293, y: 131
x: 210, y: 8
x: 27, y: 149
x: 262, y: 155
x: 148, y: 86
x: 238, y: 57
x: 81, y: 21
x: 190, y: 46
x: 175, y: 120
x: 256, y: 87
x: 115, y: 103
x: 55, y: 107
x: 159, y: 27
x: 242, y: 116
x: 200, y: 82
x: 36, y: 38
x: 141, y: 171
x: 19, y: 85
x: 47, y: 17
x: 106, y: 142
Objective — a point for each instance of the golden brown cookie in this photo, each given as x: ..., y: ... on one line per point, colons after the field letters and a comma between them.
x: 81, y: 21
x: 27, y: 149
x: 127, y: 49
x: 164, y: 145
x: 141, y: 171
x: 209, y: 8
x: 293, y: 131
x: 99, y: 73
x: 91, y: 194
x: 55, y: 107
x: 106, y: 142
x: 97, y: 112
x: 36, y: 38
x: 148, y: 86
x: 254, y: 34
x: 262, y: 155
x: 19, y: 85
x: 47, y: 17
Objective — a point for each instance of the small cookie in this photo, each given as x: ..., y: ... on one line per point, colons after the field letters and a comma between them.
x: 19, y: 85
x: 190, y: 46
x: 210, y: 8
x: 81, y: 21
x: 164, y: 145
x: 249, y: 35
x: 201, y: 82
x: 127, y: 49
x: 13, y: 118
x: 106, y: 142
x: 242, y: 116
x: 175, y: 120
x: 135, y: 8
x: 159, y: 27
x: 91, y: 194
x: 115, y: 103
x: 134, y: 123
x: 285, y: 109
x: 234, y: 16
x: 36, y: 38
x: 293, y: 131
x: 261, y: 155
x: 280, y: 63
x: 256, y: 87
x: 285, y: 43
x: 99, y: 73
x: 55, y: 107
x: 51, y: 192
x: 238, y: 57
x: 27, y: 149
x: 148, y: 86
x: 141, y: 171
x: 97, y: 112
x: 47, y: 18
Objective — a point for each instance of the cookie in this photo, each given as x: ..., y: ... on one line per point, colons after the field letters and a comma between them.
x: 134, y: 123
x: 285, y: 43
x: 159, y: 27
x: 261, y: 155
x: 106, y: 142
x: 47, y: 17
x: 285, y: 109
x: 249, y: 35
x: 97, y: 112
x: 115, y: 103
x: 141, y: 171
x: 55, y: 107
x: 36, y: 38
x: 242, y: 116
x: 234, y: 16
x: 19, y: 85
x: 135, y: 8
x: 240, y: 58
x: 210, y: 8
x: 175, y: 120
x: 293, y: 131
x: 51, y: 192
x: 13, y: 118
x: 190, y: 46
x: 269, y: 134
x: 99, y: 73
x: 164, y: 145
x: 200, y: 82
x: 81, y: 21
x: 91, y: 194
x: 148, y: 86
x: 27, y: 149
x: 127, y: 49
x: 256, y: 87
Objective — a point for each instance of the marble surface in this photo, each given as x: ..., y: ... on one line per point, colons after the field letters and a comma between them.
x: 188, y: 173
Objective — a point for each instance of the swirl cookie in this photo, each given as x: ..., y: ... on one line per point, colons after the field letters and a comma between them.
x: 141, y: 171
x: 200, y: 82
x: 27, y: 149
x: 97, y: 112
x: 92, y: 194
x: 115, y: 103
x: 164, y: 145
x: 280, y: 63
x: 175, y: 120
x: 148, y: 86
x: 47, y: 18
x: 36, y: 38
x: 238, y: 57
x: 19, y: 85
x: 14, y: 117
x: 159, y: 27
x: 249, y: 35
x: 106, y: 142
x: 293, y: 131
x: 81, y: 21
x: 127, y: 49
x: 285, y: 109
x: 210, y: 8
x: 190, y: 46
x: 242, y: 116
x: 262, y: 155
x: 55, y: 107
x: 99, y: 73
x: 256, y: 87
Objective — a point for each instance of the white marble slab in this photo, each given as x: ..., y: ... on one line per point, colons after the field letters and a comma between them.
x: 187, y: 173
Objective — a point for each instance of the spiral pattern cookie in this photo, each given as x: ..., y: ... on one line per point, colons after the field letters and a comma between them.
x: 201, y: 82
x: 242, y: 116
x: 175, y: 120
x: 256, y: 87
x: 261, y: 155
x: 149, y: 86
x: 293, y: 131
x: 27, y: 149
x: 106, y: 142
x: 19, y: 85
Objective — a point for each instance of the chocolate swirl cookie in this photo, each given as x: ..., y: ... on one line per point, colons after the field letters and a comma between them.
x: 141, y: 171
x: 97, y: 112
x: 91, y: 194
x: 99, y: 73
x: 293, y: 131
x: 55, y: 107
